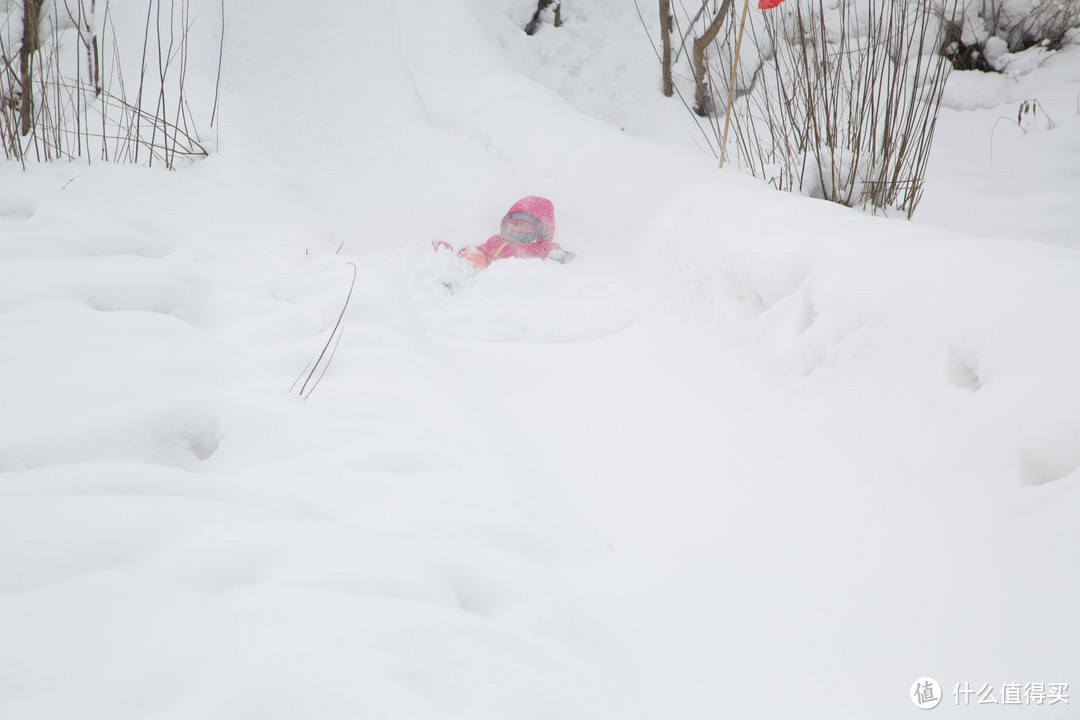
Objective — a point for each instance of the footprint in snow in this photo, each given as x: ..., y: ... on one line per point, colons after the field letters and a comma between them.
x: 12, y: 209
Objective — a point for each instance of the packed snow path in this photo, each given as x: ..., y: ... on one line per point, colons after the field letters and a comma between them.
x: 750, y: 456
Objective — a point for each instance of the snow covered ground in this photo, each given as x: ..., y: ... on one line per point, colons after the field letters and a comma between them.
x: 752, y: 455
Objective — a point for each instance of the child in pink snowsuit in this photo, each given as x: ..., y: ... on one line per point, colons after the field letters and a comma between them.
x: 527, y: 231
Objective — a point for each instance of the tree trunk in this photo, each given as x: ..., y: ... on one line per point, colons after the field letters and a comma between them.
x: 31, y: 9
x: 541, y: 6
x: 701, y: 44
x: 92, y: 57
x: 665, y: 35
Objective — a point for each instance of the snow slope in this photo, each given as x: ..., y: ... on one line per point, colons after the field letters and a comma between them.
x: 752, y: 455
x: 995, y: 176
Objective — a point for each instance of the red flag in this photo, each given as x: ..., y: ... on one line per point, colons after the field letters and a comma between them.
x: 766, y: 4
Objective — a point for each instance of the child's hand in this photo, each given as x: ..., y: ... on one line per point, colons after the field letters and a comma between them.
x: 561, y: 256
x: 474, y: 257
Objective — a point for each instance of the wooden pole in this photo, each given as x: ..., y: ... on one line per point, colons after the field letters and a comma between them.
x: 731, y: 85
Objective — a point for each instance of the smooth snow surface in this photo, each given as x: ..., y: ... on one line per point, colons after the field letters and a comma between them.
x: 751, y: 455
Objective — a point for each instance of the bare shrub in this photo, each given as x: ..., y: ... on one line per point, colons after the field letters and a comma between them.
x: 1048, y: 25
x: 71, y: 99
x: 839, y: 103
x: 846, y: 106
x: 1014, y: 26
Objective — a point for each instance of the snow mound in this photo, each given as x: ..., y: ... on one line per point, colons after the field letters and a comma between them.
x: 517, y: 300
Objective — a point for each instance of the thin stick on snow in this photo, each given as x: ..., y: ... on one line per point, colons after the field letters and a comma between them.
x: 297, y: 380
x: 994, y: 127
x: 221, y: 55
x: 329, y: 340
x: 326, y: 365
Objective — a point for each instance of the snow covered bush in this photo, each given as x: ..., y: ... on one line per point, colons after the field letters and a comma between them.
x: 843, y: 102
x: 987, y: 31
x: 64, y: 92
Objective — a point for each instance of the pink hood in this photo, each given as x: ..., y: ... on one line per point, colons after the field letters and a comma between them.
x: 538, y: 207
x: 498, y: 247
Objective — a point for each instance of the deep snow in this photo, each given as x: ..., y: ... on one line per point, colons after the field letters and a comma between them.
x: 752, y: 455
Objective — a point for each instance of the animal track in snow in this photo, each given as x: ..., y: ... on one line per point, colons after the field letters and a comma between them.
x: 1048, y: 457
x: 1040, y: 470
x: 172, y: 432
x: 962, y: 373
x: 12, y: 209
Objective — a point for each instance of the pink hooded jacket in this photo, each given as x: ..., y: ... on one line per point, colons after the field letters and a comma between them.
x: 497, y: 246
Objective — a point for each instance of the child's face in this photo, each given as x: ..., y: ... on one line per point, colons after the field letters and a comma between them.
x: 522, y: 228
